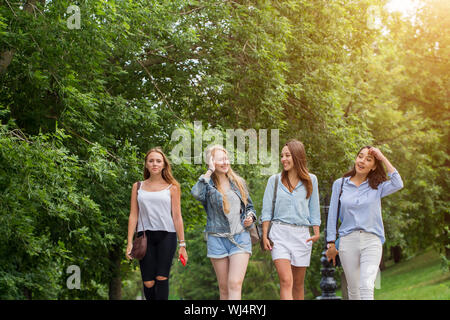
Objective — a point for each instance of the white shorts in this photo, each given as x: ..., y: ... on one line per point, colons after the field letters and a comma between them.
x: 289, y: 242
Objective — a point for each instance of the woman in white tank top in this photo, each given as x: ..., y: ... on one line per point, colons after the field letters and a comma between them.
x: 156, y: 210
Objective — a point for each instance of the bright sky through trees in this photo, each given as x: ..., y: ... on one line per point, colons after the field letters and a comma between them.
x: 406, y: 7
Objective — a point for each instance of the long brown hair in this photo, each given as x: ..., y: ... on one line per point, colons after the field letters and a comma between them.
x: 235, y: 178
x: 166, y: 172
x: 375, y: 177
x: 298, y: 153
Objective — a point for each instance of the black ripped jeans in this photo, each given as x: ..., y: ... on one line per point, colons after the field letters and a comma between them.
x: 161, y: 247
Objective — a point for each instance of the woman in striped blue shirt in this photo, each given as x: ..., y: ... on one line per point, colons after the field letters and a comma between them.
x: 361, y: 232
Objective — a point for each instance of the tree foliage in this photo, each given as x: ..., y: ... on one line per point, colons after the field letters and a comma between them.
x: 80, y: 107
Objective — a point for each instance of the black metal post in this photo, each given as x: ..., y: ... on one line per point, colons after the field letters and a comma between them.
x: 327, y: 283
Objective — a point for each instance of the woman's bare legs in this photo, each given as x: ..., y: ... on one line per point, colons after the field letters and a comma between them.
x: 236, y: 274
x: 298, y: 288
x: 230, y: 273
x: 221, y: 269
x: 284, y: 270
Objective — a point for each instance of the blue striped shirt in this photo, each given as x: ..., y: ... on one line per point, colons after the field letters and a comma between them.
x: 360, y: 206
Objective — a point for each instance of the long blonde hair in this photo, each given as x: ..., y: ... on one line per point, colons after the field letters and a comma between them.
x: 235, y: 178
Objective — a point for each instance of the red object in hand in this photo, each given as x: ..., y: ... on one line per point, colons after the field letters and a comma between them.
x: 183, y: 261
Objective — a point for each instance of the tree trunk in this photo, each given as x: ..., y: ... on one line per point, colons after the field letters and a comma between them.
x: 314, y: 291
x: 115, y: 282
x: 396, y: 253
x: 5, y: 60
x: 29, y: 6
x: 447, y: 246
x: 7, y: 55
x: 28, y: 293
x: 382, y: 265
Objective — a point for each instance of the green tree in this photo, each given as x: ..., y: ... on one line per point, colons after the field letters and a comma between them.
x: 80, y: 107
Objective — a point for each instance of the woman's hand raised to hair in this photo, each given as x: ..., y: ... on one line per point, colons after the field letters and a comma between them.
x: 211, y: 164
x: 376, y: 153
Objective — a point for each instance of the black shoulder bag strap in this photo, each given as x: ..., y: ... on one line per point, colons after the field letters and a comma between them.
x: 273, y: 211
x: 139, y: 214
x: 338, y: 260
x: 274, y: 200
x: 339, y: 207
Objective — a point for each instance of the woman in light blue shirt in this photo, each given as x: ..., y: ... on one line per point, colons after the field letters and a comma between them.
x: 296, y: 209
x: 361, y: 234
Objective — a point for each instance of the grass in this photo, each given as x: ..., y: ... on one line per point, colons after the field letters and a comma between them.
x: 417, y: 278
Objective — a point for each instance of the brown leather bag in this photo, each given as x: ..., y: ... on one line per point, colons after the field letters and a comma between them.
x: 140, y: 242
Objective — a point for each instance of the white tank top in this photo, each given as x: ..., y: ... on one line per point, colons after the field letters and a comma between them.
x: 155, y: 210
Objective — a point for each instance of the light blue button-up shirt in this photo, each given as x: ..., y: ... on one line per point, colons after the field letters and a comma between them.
x: 360, y: 206
x: 292, y: 207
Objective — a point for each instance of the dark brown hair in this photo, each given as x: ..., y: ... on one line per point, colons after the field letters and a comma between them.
x: 166, y: 171
x: 375, y: 177
x: 298, y: 153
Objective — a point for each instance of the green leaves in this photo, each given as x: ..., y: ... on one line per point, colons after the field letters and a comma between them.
x: 43, y: 213
x: 90, y: 102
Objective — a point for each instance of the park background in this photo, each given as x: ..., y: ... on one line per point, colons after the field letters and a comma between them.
x: 81, y: 104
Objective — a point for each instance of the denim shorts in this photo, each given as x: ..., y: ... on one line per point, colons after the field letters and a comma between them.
x: 221, y: 247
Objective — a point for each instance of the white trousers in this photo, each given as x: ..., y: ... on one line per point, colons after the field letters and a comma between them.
x: 360, y: 253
